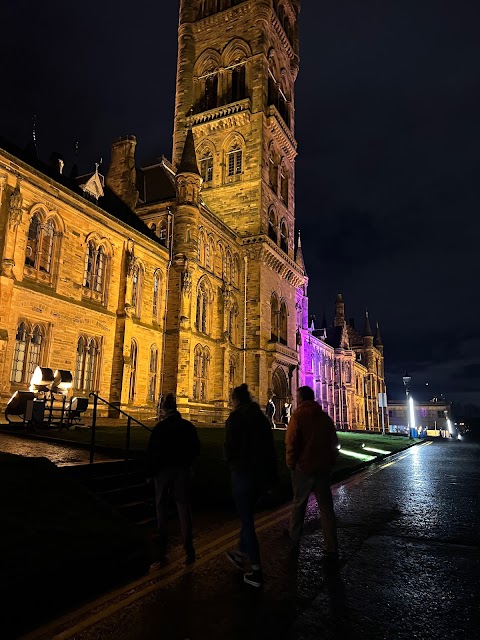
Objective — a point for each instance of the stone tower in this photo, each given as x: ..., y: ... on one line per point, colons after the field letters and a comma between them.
x: 237, y: 66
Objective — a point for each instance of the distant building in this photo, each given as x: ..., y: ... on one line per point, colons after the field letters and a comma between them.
x: 431, y: 416
x: 183, y: 276
x: 345, y: 368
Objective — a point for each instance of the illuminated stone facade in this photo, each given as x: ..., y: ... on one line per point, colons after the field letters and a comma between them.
x: 181, y: 276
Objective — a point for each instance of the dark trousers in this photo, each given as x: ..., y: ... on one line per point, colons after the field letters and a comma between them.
x: 177, y: 483
x: 246, y: 491
x: 303, y: 485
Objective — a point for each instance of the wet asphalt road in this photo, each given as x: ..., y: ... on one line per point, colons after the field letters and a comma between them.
x: 409, y: 535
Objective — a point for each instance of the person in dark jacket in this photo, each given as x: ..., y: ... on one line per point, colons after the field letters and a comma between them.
x: 171, y: 452
x: 270, y: 411
x: 311, y: 452
x: 250, y: 454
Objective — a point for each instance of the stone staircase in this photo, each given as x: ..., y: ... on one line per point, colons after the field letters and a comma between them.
x: 121, y: 484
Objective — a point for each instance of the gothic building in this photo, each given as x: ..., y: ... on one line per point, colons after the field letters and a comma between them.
x: 182, y: 276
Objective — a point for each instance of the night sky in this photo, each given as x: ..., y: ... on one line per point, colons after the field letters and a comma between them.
x: 388, y: 124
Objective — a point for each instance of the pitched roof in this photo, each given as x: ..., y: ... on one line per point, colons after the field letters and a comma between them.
x: 109, y: 202
x: 188, y: 163
x: 299, y: 257
x: 367, y: 329
x: 155, y: 182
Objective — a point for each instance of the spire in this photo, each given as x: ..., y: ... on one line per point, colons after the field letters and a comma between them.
x: 188, y: 163
x: 378, y: 338
x: 367, y: 329
x: 299, y: 257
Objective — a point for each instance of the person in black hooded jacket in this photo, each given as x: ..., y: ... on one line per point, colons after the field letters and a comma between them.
x: 250, y: 454
x: 171, y: 452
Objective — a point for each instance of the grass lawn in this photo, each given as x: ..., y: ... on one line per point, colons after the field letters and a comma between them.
x: 212, y: 483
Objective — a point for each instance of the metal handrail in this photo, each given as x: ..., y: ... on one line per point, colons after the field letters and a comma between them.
x: 96, y: 398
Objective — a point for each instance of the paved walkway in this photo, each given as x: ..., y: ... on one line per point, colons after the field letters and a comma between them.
x: 409, y: 531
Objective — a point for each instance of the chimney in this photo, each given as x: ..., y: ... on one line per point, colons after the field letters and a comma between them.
x: 121, y: 176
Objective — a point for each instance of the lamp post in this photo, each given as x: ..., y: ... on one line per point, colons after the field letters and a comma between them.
x: 406, y: 381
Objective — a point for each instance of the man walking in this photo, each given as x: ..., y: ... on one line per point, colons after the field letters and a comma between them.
x: 171, y: 452
x: 312, y: 448
x: 250, y: 453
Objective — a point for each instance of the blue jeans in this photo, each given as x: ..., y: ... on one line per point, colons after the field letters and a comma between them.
x: 246, y: 491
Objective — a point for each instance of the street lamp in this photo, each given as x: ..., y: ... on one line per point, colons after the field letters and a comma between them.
x: 406, y: 381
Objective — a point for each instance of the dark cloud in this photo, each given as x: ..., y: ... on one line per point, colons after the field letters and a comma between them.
x: 389, y: 147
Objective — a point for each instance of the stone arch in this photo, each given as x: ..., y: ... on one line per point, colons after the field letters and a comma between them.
x: 280, y: 390
x: 235, y: 52
x: 207, y: 62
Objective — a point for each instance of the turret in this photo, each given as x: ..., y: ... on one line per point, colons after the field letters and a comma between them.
x: 378, y: 340
x: 367, y: 332
x: 299, y: 257
x: 188, y: 183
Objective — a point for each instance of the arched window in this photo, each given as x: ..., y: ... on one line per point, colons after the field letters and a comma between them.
x: 79, y: 363
x: 157, y: 283
x: 86, y: 364
x: 237, y: 87
x: 40, y: 247
x: 232, y: 372
x: 274, y: 313
x: 204, y: 249
x: 34, y: 350
x: 232, y: 323
x: 201, y: 318
x: 272, y: 226
x: 283, y: 237
x: 206, y: 166
x: 284, y: 185
x: 153, y: 227
x: 27, y: 352
x: 273, y: 172
x: 283, y: 323
x: 137, y: 283
x: 19, y: 354
x: 95, y: 272
x: 133, y: 371
x: 234, y: 280
x: 91, y: 362
x: 234, y: 161
x: 200, y: 373
x: 229, y: 265
x: 210, y: 96
x: 152, y: 374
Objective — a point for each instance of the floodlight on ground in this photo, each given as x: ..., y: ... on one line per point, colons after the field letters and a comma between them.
x: 382, y: 451
x: 63, y: 381
x: 76, y: 407
x: 20, y: 407
x: 42, y: 379
x: 360, y: 456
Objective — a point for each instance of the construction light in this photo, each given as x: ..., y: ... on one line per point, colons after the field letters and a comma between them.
x: 42, y: 379
x: 63, y: 381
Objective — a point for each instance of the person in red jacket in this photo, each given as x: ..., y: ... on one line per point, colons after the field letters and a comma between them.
x: 312, y: 448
